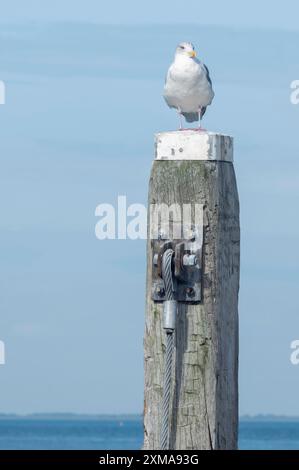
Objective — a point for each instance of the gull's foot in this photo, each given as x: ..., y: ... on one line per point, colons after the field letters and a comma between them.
x: 195, y: 129
x: 187, y: 129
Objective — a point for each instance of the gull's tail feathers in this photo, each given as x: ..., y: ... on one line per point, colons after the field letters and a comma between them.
x: 191, y: 117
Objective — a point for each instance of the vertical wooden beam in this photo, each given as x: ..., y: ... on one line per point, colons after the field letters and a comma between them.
x: 197, y: 168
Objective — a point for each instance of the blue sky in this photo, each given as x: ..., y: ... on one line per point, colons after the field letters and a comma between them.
x: 266, y: 14
x: 83, y: 103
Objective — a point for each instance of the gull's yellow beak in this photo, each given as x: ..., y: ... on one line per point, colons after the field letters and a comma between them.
x: 192, y: 54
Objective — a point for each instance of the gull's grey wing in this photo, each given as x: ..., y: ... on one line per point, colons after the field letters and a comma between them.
x: 202, y: 112
x: 208, y: 74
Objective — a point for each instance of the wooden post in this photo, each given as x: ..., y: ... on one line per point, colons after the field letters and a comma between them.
x: 197, y: 168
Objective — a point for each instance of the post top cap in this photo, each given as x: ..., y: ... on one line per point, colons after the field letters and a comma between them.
x: 193, y: 145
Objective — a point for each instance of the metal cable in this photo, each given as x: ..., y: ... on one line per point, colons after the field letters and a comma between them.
x: 167, y: 274
x: 169, y: 293
x: 166, y: 391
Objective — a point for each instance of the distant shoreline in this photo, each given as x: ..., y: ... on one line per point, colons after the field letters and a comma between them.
x: 126, y: 417
x: 71, y: 416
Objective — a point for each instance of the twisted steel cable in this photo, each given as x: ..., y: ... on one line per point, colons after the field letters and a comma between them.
x: 169, y: 292
x: 166, y: 392
x: 167, y: 274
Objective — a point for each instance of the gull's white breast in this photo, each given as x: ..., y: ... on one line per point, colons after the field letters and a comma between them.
x: 187, y: 87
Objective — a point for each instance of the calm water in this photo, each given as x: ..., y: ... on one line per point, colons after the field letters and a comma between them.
x: 127, y: 434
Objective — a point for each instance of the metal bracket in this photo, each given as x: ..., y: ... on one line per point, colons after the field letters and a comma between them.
x: 187, y: 266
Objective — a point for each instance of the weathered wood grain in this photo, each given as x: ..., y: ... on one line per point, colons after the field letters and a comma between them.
x: 205, y: 376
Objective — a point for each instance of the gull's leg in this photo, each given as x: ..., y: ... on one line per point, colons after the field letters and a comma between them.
x: 181, y: 119
x: 181, y: 123
x: 200, y: 129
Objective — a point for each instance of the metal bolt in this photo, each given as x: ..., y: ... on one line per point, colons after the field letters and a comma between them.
x: 189, y: 234
x: 190, y: 291
x: 190, y: 260
x: 162, y: 235
x: 155, y: 259
x: 160, y: 291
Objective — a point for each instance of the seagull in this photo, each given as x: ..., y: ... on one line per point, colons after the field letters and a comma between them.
x: 188, y: 86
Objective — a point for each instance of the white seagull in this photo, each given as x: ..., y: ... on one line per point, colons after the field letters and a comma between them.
x: 188, y: 86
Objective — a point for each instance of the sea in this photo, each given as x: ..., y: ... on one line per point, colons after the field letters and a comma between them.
x: 126, y: 434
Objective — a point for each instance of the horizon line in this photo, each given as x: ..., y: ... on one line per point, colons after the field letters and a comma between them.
x: 74, y: 415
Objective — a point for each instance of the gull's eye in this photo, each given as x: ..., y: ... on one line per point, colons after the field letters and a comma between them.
x: 182, y: 47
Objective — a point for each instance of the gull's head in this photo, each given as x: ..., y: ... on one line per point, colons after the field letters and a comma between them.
x: 185, y: 49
